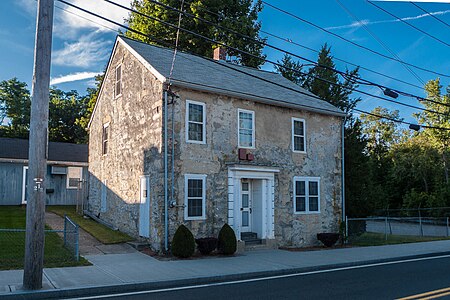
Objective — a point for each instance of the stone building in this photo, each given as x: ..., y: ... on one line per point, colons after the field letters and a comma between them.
x: 227, y: 144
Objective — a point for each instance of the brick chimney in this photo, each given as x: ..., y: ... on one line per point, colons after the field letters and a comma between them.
x: 220, y: 54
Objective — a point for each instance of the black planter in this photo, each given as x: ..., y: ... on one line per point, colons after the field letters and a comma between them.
x: 206, y: 245
x: 328, y: 238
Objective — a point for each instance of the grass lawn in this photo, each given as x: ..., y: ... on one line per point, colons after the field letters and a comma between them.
x: 12, y: 250
x: 99, y: 231
x: 377, y: 239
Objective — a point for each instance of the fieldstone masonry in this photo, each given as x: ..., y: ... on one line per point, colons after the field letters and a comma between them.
x: 135, y: 148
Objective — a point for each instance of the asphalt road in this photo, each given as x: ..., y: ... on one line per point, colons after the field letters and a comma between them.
x: 385, y: 281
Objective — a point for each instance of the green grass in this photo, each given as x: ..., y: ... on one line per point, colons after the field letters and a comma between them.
x: 12, y: 250
x: 377, y: 239
x: 99, y: 231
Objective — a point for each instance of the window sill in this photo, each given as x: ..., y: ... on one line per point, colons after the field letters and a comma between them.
x: 299, y: 152
x: 307, y: 213
x: 195, y: 219
x: 196, y: 142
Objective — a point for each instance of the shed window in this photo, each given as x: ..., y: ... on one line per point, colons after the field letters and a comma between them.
x: 118, y: 82
x: 306, y: 195
x: 195, y: 122
x: 246, y: 128
x: 105, y: 137
x: 298, y: 135
x: 195, y: 197
x: 74, y: 177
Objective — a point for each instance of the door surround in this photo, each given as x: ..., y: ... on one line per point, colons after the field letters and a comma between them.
x: 267, y: 175
x: 24, y: 184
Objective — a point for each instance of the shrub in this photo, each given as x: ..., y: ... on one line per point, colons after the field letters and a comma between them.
x: 206, y: 245
x: 183, y: 243
x: 227, y: 240
x: 328, y: 239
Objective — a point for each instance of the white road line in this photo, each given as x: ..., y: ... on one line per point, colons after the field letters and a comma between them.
x: 262, y: 278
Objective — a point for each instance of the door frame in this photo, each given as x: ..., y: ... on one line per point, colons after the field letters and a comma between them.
x: 248, y: 209
x: 235, y: 174
x: 144, y: 207
x: 24, y: 184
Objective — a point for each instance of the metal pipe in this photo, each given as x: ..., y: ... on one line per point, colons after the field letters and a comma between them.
x: 173, y: 153
x: 166, y: 217
x: 343, y: 167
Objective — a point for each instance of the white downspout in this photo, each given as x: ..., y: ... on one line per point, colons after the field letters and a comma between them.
x: 166, y: 217
x: 343, y: 167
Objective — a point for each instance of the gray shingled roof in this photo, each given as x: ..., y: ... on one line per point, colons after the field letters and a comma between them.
x: 228, y: 78
x: 65, y: 152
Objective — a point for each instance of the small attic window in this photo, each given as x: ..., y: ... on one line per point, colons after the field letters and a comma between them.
x: 118, y: 82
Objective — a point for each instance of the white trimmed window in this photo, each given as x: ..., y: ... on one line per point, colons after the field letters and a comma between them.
x: 105, y: 137
x: 195, y: 122
x: 306, y: 195
x: 118, y: 82
x: 246, y: 128
x: 74, y: 177
x: 298, y: 135
x: 194, y: 196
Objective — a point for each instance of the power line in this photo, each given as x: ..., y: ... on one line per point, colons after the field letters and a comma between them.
x: 352, y: 42
x: 289, y: 40
x: 263, y: 79
x: 379, y: 41
x: 409, y: 24
x: 430, y: 14
x: 269, y: 61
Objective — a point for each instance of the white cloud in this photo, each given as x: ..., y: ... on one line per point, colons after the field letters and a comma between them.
x: 367, y: 22
x: 87, y: 52
x: 73, y: 77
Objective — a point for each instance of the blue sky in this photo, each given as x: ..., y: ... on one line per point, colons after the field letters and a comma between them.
x: 81, y: 45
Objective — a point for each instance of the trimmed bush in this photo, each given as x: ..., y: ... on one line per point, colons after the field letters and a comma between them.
x: 227, y: 240
x: 328, y: 238
x: 206, y: 245
x: 183, y: 243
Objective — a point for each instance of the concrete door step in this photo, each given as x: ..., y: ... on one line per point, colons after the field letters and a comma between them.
x: 138, y: 245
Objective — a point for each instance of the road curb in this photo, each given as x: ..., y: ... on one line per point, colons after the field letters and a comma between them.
x: 141, y: 286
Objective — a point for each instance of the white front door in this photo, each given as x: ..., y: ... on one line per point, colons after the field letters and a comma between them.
x: 144, y: 207
x: 24, y: 185
x: 246, y: 205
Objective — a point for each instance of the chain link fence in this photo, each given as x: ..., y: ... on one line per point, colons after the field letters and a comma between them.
x: 61, y: 246
x: 421, y: 222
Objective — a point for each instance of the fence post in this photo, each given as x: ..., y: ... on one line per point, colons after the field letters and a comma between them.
x: 346, y: 229
x: 385, y: 227
x: 420, y: 224
x: 77, y: 255
x: 65, y: 229
x: 447, y: 226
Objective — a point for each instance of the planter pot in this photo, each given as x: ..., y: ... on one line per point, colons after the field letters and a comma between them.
x: 328, y: 238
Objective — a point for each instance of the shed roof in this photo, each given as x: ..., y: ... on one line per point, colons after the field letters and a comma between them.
x: 11, y: 148
x: 227, y: 78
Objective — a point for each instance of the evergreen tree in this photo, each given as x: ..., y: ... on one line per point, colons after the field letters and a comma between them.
x: 290, y: 69
x: 238, y: 15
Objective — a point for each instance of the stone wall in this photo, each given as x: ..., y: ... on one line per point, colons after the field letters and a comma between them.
x: 134, y: 146
x: 273, y: 149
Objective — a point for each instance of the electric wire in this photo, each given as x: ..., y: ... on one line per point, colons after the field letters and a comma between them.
x: 430, y: 14
x: 409, y: 24
x: 344, y: 74
x: 352, y: 42
x: 379, y: 41
x: 286, y: 87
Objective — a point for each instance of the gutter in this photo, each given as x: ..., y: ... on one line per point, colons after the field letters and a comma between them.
x: 166, y: 210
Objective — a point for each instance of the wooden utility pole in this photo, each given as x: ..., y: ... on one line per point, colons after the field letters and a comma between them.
x: 37, y: 157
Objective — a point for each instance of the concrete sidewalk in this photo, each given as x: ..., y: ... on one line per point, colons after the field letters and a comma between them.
x: 131, y: 271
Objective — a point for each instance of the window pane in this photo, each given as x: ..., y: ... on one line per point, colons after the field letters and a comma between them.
x: 244, y: 200
x: 313, y: 203
x: 245, y: 120
x: 313, y: 188
x: 245, y: 186
x: 195, y: 207
x: 299, y: 143
x: 300, y: 204
x: 245, y: 138
x: 300, y: 188
x: 195, y: 132
x: 298, y: 128
x: 195, y: 188
x: 73, y: 182
x: 195, y: 113
x: 245, y: 218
